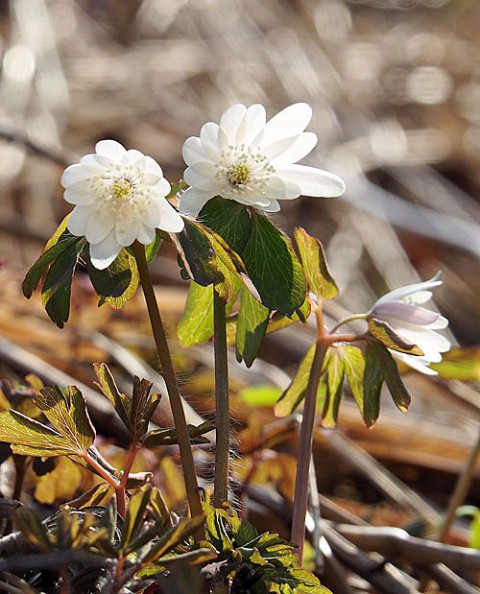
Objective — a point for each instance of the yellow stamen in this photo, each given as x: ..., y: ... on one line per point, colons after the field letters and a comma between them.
x: 239, y: 174
x: 121, y: 188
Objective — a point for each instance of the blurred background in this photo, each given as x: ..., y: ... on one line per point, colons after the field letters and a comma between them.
x: 395, y: 91
x: 394, y: 86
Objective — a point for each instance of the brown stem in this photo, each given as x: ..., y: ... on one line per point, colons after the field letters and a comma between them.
x: 460, y: 492
x: 186, y: 454
x: 222, y: 405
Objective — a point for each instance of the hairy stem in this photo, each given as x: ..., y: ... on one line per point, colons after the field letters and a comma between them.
x: 186, y: 454
x: 222, y: 414
x: 305, y: 443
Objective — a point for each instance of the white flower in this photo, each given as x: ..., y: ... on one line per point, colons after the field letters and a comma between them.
x: 119, y: 197
x: 401, y: 310
x: 252, y: 161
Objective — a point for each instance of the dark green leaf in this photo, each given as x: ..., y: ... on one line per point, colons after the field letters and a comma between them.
x: 229, y: 219
x: 394, y: 381
x: 373, y: 379
x: 58, y: 281
x: 273, y: 267
x: 315, y: 266
x: 385, y: 334
x: 118, y: 283
x: 197, y: 253
x: 252, y: 324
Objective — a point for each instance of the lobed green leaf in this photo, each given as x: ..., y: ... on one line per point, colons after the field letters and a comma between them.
x: 315, y: 267
x: 252, y: 324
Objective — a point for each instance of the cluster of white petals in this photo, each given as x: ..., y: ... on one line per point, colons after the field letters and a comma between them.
x: 252, y: 161
x: 401, y: 310
x: 120, y: 197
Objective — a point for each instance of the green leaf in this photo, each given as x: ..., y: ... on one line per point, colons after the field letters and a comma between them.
x: 295, y: 393
x: 385, y: 334
x: 142, y: 408
x: 31, y: 438
x: 260, y: 395
x: 196, y: 323
x: 181, y: 531
x: 354, y: 362
x: 335, y: 372
x: 168, y: 435
x: 197, y: 253
x: 57, y: 285
x: 252, y: 324
x: 315, y: 266
x: 36, y: 533
x: 121, y: 402
x: 394, y: 381
x: 229, y: 219
x: 68, y: 415
x: 118, y: 283
x: 134, y: 517
x: 460, y: 364
x: 373, y: 379
x: 273, y: 267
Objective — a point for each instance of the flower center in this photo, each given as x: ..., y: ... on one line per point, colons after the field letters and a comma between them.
x: 239, y: 174
x: 121, y: 188
x: 243, y: 174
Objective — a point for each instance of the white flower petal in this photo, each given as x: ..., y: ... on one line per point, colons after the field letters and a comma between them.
x: 111, y: 149
x: 406, y: 312
x: 201, y: 176
x: 126, y: 230
x: 255, y: 121
x: 145, y: 234
x: 94, y: 164
x: 274, y: 206
x: 231, y: 123
x: 300, y: 148
x: 193, y: 151
x: 134, y: 158
x: 79, y: 219
x: 418, y: 363
x: 99, y: 226
x: 170, y: 220
x: 104, y: 253
x: 420, y: 292
x: 313, y: 182
x: 81, y: 193
x: 162, y: 188
x: 74, y: 174
x: 280, y: 188
x: 209, y: 138
x: 291, y: 121
x: 152, y: 167
x: 193, y: 200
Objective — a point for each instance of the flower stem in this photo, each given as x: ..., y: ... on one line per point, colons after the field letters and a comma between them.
x: 188, y: 464
x: 347, y: 320
x: 222, y: 405
x: 300, y: 501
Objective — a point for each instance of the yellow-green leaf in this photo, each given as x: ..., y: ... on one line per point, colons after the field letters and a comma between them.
x: 315, y: 266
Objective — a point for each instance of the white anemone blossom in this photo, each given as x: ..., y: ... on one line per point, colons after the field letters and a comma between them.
x: 247, y: 159
x: 119, y: 197
x: 402, y: 310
